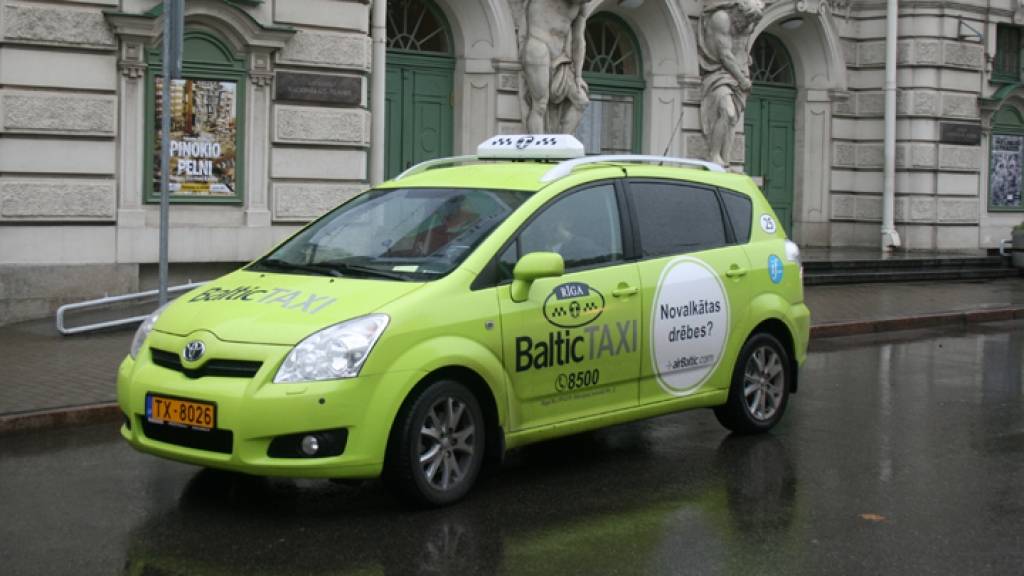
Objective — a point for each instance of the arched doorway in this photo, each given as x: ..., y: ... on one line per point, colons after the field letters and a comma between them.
x: 768, y: 124
x: 613, y: 69
x: 420, y: 69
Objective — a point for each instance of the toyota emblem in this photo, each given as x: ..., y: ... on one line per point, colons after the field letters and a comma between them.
x: 194, y: 350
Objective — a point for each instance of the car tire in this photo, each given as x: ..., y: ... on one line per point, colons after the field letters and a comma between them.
x: 437, y: 445
x: 760, y: 386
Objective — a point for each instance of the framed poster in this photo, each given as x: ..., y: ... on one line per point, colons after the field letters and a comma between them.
x: 1004, y: 183
x: 204, y: 133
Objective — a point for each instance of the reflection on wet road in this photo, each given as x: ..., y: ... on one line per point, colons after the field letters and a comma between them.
x: 897, y: 457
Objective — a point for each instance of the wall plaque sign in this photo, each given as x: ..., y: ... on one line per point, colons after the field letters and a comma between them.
x: 960, y: 133
x: 319, y: 88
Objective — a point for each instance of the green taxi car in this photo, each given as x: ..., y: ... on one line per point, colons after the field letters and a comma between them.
x: 476, y: 304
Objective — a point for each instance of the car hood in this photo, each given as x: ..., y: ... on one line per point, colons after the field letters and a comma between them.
x: 276, y: 308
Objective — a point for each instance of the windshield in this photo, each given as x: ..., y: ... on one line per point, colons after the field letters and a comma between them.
x: 400, y: 234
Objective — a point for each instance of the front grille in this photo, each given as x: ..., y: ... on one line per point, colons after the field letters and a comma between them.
x: 217, y: 440
x: 212, y: 367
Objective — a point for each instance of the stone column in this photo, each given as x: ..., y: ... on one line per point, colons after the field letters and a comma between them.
x: 257, y: 140
x: 813, y: 145
x: 131, y: 145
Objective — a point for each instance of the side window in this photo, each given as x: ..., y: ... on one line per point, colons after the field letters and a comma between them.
x: 739, y: 209
x: 506, y: 262
x: 583, y: 227
x: 676, y: 218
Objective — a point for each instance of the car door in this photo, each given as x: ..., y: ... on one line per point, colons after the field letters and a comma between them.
x: 695, y: 283
x: 572, y: 348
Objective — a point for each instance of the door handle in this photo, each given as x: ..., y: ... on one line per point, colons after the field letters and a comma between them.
x: 735, y: 271
x: 625, y: 290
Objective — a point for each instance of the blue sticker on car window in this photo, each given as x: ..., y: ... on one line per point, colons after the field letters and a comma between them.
x: 775, y: 268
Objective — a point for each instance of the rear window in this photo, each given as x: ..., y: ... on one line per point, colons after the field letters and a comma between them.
x: 676, y: 218
x: 738, y: 207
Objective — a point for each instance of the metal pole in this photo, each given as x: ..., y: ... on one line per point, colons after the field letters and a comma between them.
x: 890, y: 238
x: 377, y: 91
x: 173, y: 30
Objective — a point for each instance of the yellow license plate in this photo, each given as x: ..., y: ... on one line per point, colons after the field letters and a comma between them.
x: 179, y: 411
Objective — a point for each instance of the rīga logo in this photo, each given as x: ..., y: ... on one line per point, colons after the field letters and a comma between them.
x: 573, y: 304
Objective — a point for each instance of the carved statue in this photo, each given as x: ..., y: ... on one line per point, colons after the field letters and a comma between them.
x: 723, y: 37
x: 551, y: 50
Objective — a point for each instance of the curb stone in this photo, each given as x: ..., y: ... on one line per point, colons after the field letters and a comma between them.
x: 834, y: 329
x: 59, y: 418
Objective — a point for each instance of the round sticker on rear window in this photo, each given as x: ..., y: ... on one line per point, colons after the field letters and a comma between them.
x: 768, y: 223
x: 689, y: 325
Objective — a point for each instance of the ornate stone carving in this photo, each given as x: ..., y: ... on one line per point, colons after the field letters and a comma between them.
x: 58, y: 113
x: 56, y: 198
x: 723, y: 37
x: 56, y: 25
x: 261, y: 79
x: 811, y: 6
x: 327, y: 49
x: 322, y: 125
x: 551, y: 50
x: 130, y: 69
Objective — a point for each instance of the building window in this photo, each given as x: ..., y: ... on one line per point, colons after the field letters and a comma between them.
x: 207, y: 124
x: 416, y: 26
x: 613, y: 69
x: 1006, y: 160
x: 1006, y: 67
x: 770, y: 62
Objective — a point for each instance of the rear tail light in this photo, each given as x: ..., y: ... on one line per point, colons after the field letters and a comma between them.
x: 793, y: 255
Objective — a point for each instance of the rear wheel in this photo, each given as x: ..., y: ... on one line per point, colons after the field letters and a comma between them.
x: 437, y: 445
x: 760, y: 386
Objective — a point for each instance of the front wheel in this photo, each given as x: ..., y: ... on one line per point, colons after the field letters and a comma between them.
x: 760, y: 387
x: 437, y: 445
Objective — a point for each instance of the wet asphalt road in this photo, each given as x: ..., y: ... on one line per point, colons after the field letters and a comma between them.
x: 898, y: 456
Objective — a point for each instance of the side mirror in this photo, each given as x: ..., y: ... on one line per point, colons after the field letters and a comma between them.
x: 531, y: 267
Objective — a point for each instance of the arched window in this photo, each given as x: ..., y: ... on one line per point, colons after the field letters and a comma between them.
x: 770, y: 62
x: 613, y: 69
x: 1006, y: 159
x: 207, y: 123
x: 417, y: 26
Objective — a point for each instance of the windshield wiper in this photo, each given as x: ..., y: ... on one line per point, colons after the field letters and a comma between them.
x: 314, y: 268
x: 349, y: 269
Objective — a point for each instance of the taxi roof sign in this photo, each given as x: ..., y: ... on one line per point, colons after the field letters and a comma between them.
x: 531, y: 147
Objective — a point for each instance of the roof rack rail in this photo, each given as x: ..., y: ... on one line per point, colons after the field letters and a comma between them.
x: 435, y: 163
x: 565, y: 168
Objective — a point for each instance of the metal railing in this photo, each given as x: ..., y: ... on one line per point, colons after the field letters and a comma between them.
x: 107, y: 300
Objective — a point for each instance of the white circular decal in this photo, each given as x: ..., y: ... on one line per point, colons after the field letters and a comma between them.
x: 689, y: 325
x: 768, y: 223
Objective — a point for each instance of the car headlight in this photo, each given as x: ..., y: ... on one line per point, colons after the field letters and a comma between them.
x: 338, y: 351
x: 143, y: 330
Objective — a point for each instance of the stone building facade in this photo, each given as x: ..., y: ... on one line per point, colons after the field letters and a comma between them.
x: 283, y: 86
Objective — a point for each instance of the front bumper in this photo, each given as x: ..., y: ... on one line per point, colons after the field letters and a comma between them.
x: 251, y: 412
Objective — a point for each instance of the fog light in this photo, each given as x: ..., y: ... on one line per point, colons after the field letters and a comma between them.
x: 310, y: 445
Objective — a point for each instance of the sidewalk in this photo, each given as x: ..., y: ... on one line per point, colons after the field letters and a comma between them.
x: 49, y: 380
